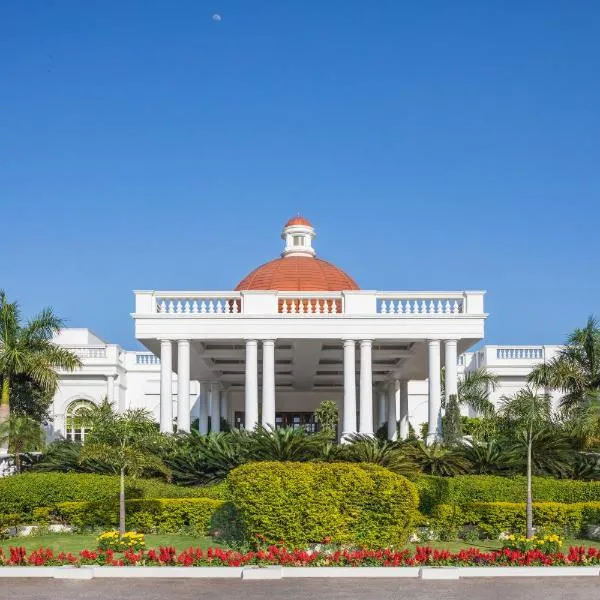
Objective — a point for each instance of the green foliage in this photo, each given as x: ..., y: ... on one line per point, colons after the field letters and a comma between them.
x: 302, y: 503
x: 436, y: 460
x: 493, y: 518
x: 199, y: 459
x: 65, y: 457
x: 366, y: 449
x: 21, y: 434
x: 451, y: 423
x: 28, y: 353
x: 576, y: 369
x: 492, y: 488
x: 490, y: 457
x: 24, y: 493
x: 326, y: 414
x: 149, y: 515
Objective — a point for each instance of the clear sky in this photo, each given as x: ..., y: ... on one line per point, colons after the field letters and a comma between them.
x: 434, y: 145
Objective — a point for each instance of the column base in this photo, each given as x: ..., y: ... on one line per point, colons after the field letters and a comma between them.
x: 346, y: 436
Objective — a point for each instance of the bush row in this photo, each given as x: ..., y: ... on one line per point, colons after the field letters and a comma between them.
x: 304, y: 503
x: 148, y: 515
x: 462, y: 489
x: 493, y: 518
x: 23, y: 493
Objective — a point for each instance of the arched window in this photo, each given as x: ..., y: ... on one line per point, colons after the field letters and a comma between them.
x: 75, y: 430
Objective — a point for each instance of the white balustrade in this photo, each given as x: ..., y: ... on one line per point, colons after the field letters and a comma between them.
x: 88, y: 351
x: 310, y: 305
x: 143, y: 358
x: 397, y: 304
x: 512, y: 353
x: 199, y: 304
x: 425, y: 304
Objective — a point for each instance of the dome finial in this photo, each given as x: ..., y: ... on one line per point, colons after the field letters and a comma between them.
x: 298, y: 234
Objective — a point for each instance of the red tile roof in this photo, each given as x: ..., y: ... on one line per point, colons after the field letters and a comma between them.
x: 298, y: 273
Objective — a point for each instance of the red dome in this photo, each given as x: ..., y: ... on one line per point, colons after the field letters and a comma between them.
x: 298, y: 221
x: 298, y: 274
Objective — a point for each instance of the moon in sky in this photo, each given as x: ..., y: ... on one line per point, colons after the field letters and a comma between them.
x: 217, y: 17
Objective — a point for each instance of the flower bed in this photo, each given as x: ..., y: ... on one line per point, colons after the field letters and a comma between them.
x: 276, y: 555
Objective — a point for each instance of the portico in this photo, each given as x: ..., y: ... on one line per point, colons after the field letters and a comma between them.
x: 286, y: 347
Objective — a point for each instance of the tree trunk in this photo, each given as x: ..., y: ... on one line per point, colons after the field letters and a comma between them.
x: 122, y: 504
x: 5, y: 407
x: 529, y: 493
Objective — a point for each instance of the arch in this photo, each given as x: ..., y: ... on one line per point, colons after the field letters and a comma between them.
x: 75, y: 430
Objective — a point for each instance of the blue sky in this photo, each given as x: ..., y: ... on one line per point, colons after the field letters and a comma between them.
x: 435, y: 145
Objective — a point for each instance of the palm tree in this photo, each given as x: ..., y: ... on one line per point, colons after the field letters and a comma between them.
x: 575, y: 371
x: 474, y: 391
x: 436, y: 459
x: 525, y: 413
x: 367, y: 449
x: 287, y: 444
x: 21, y: 434
x: 488, y: 458
x: 27, y: 350
x: 127, y: 441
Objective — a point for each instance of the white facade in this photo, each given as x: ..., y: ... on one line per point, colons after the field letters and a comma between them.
x: 137, y: 382
x: 269, y: 357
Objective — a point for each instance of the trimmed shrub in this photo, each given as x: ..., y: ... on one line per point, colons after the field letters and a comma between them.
x: 493, y: 518
x: 462, y: 489
x: 23, y: 493
x: 160, y: 515
x: 303, y: 503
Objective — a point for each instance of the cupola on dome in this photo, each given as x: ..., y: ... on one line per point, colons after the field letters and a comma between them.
x: 298, y: 269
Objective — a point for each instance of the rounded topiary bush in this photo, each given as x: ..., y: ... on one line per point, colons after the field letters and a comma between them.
x: 304, y: 503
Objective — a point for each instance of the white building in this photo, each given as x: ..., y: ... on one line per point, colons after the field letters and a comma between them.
x: 296, y: 331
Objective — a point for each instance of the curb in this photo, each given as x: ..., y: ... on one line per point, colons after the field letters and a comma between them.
x: 254, y: 573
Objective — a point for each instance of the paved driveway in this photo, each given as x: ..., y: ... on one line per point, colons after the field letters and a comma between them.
x: 309, y: 589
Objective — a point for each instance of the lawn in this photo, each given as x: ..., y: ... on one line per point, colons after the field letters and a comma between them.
x: 75, y: 543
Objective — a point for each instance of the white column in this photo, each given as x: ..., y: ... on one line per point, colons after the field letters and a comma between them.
x: 450, y: 369
x: 435, y: 404
x: 349, y: 423
x: 403, y: 391
x: 215, y: 408
x: 110, y: 389
x: 225, y: 405
x: 166, y: 386
x: 366, y: 388
x: 382, y: 409
x: 268, y: 384
x: 392, y: 432
x: 251, y: 387
x: 183, y: 385
x: 203, y: 412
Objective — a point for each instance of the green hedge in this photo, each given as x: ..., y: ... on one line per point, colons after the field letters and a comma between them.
x: 148, y: 515
x: 23, y: 493
x: 303, y: 503
x: 491, y: 488
x: 493, y: 518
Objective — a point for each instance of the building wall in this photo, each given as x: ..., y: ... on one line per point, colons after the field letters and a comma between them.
x: 137, y: 380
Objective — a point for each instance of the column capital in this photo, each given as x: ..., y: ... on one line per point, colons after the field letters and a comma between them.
x: 183, y: 341
x: 433, y: 341
x: 349, y: 342
x: 366, y: 342
x: 164, y: 341
x: 451, y: 342
x: 269, y: 341
x: 251, y: 341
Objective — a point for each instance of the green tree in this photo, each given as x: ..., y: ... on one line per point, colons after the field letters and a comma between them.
x: 128, y: 441
x: 575, y: 371
x: 368, y: 449
x: 527, y: 412
x: 474, y: 391
x: 21, y: 434
x: 27, y: 350
x: 451, y: 423
x: 326, y: 414
x: 436, y: 459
